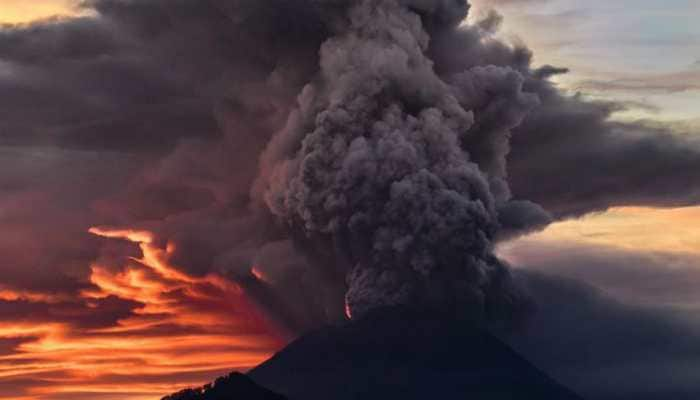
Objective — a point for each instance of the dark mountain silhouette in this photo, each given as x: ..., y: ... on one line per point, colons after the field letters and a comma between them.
x: 393, y: 355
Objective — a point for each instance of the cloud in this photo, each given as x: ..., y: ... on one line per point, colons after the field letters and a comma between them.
x: 635, y: 276
x: 607, y: 315
x: 600, y: 346
x: 598, y: 161
x: 165, y: 327
x: 682, y: 81
x: 45, y: 214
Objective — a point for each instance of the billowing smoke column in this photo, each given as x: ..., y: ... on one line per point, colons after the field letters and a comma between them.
x: 385, y: 162
x: 319, y: 153
x: 326, y: 155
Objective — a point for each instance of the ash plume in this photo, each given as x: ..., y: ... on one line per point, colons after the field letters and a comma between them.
x: 390, y: 165
x: 317, y: 152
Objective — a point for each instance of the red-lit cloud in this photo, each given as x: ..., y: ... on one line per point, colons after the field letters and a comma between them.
x: 174, y: 330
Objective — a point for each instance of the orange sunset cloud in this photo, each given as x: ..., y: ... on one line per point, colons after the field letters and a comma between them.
x: 181, y: 331
x: 631, y: 228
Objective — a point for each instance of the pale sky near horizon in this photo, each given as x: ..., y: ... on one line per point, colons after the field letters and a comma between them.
x: 642, y: 51
x: 20, y: 11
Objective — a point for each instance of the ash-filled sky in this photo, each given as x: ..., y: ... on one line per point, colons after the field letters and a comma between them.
x: 156, y: 232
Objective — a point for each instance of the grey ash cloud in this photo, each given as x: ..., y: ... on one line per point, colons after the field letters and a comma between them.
x: 600, y: 346
x: 390, y: 164
x: 380, y: 147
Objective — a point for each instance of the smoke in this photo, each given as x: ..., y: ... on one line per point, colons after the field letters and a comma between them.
x: 323, y: 152
x: 388, y: 162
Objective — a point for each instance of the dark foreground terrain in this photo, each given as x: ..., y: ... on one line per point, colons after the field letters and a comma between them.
x: 390, y: 356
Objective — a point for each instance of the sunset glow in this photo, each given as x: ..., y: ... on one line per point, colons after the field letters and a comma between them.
x: 20, y: 11
x: 631, y: 228
x: 181, y: 331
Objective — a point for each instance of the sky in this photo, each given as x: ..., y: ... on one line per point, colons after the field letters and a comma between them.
x: 653, y: 45
x: 16, y: 11
x: 650, y: 49
x: 651, y: 59
x: 98, y: 301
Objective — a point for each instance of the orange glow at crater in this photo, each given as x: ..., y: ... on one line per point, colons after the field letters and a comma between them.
x: 179, y: 331
x: 258, y: 274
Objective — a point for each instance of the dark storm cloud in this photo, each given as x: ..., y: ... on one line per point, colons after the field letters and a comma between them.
x: 656, y: 278
x: 45, y: 199
x: 602, y: 348
x: 142, y: 75
x: 146, y: 67
x: 99, y: 313
x: 94, y: 111
x: 68, y: 83
x: 601, y: 164
x: 608, y: 316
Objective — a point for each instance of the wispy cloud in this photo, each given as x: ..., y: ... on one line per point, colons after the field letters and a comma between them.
x: 682, y: 81
x: 159, y: 330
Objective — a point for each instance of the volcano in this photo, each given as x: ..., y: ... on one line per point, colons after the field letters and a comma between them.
x: 390, y: 355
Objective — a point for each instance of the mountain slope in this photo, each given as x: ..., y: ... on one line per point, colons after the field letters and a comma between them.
x: 392, y: 355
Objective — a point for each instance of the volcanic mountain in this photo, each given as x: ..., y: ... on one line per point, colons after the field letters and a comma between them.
x: 391, y: 355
